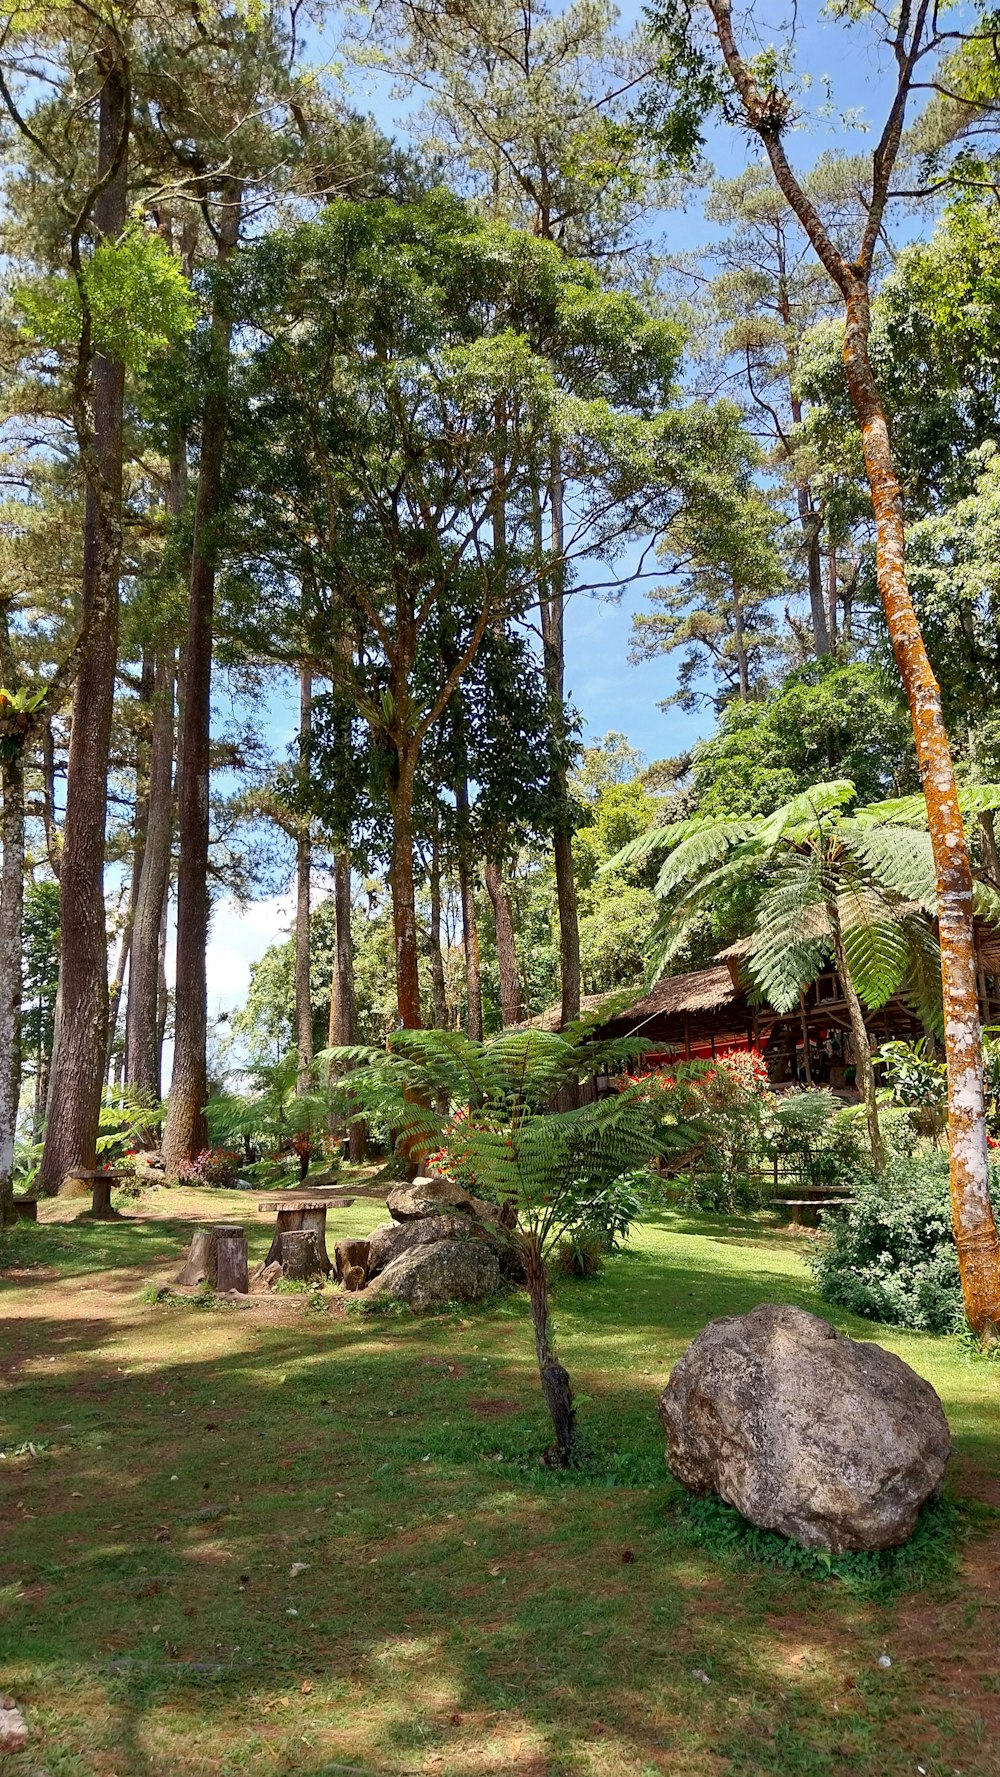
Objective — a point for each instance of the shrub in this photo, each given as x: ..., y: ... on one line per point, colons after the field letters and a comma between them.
x: 733, y: 1103
x: 213, y: 1166
x: 582, y: 1255
x: 892, y: 1256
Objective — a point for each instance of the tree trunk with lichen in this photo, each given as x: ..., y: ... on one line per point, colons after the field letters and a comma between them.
x: 972, y: 1211
x: 11, y: 923
x: 767, y: 111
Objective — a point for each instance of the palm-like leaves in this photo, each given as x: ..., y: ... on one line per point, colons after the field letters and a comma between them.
x: 869, y: 872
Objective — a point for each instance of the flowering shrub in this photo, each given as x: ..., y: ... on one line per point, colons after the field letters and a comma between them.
x: 213, y: 1166
x: 733, y: 1102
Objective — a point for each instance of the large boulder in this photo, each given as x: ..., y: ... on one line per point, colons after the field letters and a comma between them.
x: 446, y: 1271
x: 390, y: 1239
x: 427, y: 1197
x: 834, y: 1442
x: 387, y: 1241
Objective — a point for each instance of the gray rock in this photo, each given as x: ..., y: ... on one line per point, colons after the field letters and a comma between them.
x: 426, y: 1197
x: 826, y: 1439
x: 446, y: 1271
x: 390, y: 1239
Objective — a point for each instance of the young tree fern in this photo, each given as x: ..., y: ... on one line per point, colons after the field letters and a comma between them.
x: 486, y: 1115
x: 855, y: 888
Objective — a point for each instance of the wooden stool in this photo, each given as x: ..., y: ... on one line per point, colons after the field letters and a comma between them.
x: 299, y: 1212
x: 218, y: 1256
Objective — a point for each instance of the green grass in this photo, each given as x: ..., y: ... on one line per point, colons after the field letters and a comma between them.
x: 457, y: 1608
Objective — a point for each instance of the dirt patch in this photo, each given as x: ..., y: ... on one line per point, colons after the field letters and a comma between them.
x: 494, y: 1409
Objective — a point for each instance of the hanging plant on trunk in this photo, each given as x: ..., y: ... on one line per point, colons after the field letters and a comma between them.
x: 505, y: 1142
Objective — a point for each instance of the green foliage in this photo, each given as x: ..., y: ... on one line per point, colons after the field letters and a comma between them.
x: 139, y: 300
x: 825, y: 719
x: 891, y: 1256
x: 916, y: 1079
x: 274, y: 1127
x: 504, y: 1141
x: 928, y: 1557
x: 824, y: 880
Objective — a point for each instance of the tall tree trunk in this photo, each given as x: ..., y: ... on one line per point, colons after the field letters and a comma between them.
x: 511, y: 1007
x: 831, y: 593
x: 81, y: 1024
x: 185, y: 1131
x: 142, y: 1047
x: 303, y: 875
x: 439, y: 996
x: 343, y: 1004
x: 162, y: 989
x: 554, y: 663
x: 404, y: 911
x: 470, y: 928
x: 972, y: 1211
x: 118, y: 980
x: 11, y: 924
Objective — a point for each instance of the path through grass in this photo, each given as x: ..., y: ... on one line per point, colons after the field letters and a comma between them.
x: 282, y: 1541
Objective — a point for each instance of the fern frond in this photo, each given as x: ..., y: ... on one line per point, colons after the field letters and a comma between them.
x: 805, y: 811
x: 898, y: 859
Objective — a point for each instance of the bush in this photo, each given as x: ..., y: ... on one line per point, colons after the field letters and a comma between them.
x: 582, y: 1255
x: 892, y: 1256
x: 213, y: 1166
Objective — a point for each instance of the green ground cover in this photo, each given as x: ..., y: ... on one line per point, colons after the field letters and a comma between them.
x: 283, y: 1540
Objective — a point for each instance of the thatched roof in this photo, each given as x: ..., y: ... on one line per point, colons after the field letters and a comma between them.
x: 703, y: 990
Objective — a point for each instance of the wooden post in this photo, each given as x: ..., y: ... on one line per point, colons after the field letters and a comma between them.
x: 27, y: 1208
x: 100, y: 1206
x: 232, y: 1272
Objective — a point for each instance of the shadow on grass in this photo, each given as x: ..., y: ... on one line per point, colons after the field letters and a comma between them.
x: 454, y: 1608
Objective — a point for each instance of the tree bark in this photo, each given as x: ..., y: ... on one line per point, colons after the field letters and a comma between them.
x: 470, y: 928
x: 303, y: 874
x: 185, y: 1131
x: 551, y: 614
x: 343, y: 1003
x: 554, y: 1378
x: 975, y: 1227
x: 511, y: 1005
x: 404, y: 913
x: 81, y: 1024
x: 972, y: 1211
x: 142, y: 1047
x: 11, y: 977
x: 439, y: 996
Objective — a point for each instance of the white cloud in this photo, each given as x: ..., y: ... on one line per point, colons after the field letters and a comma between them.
x: 240, y: 934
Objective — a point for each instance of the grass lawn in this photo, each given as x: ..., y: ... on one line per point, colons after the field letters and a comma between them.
x: 276, y: 1540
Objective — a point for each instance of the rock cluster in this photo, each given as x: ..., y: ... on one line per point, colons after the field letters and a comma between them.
x: 442, y: 1245
x: 830, y: 1440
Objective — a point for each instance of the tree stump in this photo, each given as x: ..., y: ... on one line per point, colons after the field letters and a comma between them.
x: 300, y: 1255
x: 296, y: 1216
x: 351, y: 1255
x: 231, y: 1269
x: 26, y: 1208
x: 200, y: 1265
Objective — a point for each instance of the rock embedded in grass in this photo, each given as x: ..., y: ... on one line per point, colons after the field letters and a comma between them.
x: 388, y: 1241
x: 826, y: 1439
x: 445, y: 1271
